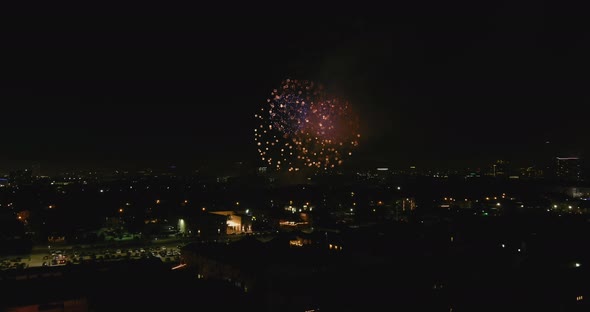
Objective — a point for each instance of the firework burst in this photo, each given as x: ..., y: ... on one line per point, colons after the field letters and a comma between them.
x: 302, y: 126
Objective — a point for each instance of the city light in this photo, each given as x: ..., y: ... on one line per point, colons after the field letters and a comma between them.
x: 180, y: 266
x: 181, y: 226
x: 478, y: 101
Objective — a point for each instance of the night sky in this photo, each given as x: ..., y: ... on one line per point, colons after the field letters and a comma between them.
x: 445, y: 84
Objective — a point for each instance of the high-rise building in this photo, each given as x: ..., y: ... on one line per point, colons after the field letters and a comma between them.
x: 531, y: 173
x: 568, y: 169
x: 499, y: 169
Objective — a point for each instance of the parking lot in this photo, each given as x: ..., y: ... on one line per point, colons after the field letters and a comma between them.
x: 167, y: 251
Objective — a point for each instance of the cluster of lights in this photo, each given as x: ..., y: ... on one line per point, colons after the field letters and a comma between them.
x: 302, y: 126
x: 335, y: 247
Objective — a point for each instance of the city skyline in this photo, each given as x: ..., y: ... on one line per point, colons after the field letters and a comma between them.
x: 414, y: 155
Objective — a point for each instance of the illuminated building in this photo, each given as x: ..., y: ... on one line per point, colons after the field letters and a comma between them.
x: 568, y: 169
x: 207, y: 225
x: 236, y: 223
x: 531, y: 173
x: 499, y: 168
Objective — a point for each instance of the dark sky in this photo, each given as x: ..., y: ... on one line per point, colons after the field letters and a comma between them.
x: 436, y: 83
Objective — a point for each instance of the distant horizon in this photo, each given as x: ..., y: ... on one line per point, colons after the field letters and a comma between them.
x: 184, y: 167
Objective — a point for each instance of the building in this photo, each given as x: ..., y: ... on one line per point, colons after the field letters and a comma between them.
x: 237, y: 223
x: 20, y: 177
x: 285, y: 271
x: 205, y: 225
x: 568, y: 169
x: 531, y: 173
x: 500, y: 168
